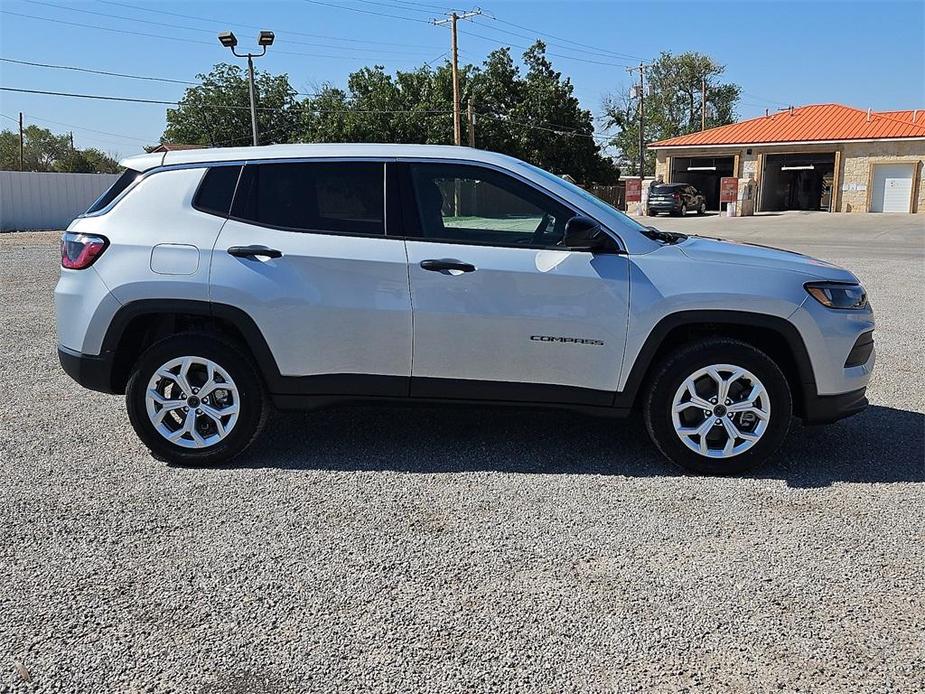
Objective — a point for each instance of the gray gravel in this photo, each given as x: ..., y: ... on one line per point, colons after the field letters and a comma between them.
x: 458, y: 550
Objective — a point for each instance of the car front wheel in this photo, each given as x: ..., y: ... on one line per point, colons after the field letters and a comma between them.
x: 195, y: 399
x: 718, y: 407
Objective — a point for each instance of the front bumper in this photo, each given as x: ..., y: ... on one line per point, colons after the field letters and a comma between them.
x: 825, y: 409
x: 92, y: 372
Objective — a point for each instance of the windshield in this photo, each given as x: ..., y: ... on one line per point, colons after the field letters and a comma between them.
x: 589, y: 197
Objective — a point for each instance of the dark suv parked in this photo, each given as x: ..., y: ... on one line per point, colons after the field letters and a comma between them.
x: 675, y: 198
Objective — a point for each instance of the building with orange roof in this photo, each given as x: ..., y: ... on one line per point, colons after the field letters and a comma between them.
x: 820, y: 157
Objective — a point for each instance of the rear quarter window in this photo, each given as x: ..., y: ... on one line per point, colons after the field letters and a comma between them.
x: 217, y: 190
x: 127, y: 178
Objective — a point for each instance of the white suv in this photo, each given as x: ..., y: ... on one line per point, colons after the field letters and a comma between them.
x: 207, y: 285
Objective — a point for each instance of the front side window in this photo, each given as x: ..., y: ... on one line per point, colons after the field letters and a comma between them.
x: 481, y: 206
x: 325, y: 197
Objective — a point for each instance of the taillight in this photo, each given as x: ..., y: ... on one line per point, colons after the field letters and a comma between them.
x: 79, y: 251
x: 676, y: 196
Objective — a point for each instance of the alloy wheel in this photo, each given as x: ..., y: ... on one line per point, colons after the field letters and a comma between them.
x: 721, y: 411
x: 192, y: 402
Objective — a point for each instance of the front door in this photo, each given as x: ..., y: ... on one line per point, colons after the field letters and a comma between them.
x: 335, y: 305
x: 500, y: 310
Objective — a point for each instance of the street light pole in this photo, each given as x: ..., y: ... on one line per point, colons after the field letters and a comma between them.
x: 264, y: 39
x: 250, y: 85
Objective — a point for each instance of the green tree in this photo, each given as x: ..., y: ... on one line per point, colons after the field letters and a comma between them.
x: 216, y: 112
x: 673, y: 104
x: 534, y: 116
x: 45, y: 151
x: 89, y: 160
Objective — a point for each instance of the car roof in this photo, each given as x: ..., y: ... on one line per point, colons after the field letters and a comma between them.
x: 143, y: 162
x: 670, y: 185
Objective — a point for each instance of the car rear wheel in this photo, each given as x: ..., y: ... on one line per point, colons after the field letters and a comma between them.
x: 683, y: 209
x: 195, y: 399
x: 702, y: 210
x: 718, y: 407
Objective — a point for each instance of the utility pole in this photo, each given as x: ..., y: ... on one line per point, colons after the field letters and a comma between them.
x: 471, y: 113
x: 642, y: 119
x: 21, y: 168
x: 451, y: 19
x: 703, y: 106
x: 72, y: 140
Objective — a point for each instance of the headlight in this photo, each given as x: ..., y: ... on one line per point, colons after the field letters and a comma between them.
x: 838, y: 294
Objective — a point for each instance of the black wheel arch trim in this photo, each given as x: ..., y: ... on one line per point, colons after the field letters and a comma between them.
x: 241, y: 320
x: 692, y: 318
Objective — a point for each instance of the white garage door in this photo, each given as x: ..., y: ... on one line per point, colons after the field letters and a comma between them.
x: 892, y: 188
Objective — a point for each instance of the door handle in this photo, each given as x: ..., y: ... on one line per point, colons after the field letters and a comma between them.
x: 446, y: 264
x: 254, y: 251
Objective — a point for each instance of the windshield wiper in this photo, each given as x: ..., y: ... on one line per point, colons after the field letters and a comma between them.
x: 669, y: 237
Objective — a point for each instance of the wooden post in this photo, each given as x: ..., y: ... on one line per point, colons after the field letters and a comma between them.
x: 471, y: 113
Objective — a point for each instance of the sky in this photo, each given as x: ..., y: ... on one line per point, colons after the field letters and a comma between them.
x: 865, y: 54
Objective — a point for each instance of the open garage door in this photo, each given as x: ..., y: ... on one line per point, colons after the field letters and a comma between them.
x: 797, y: 182
x: 892, y: 188
x: 703, y: 173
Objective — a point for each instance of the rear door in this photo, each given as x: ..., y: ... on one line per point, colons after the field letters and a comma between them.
x: 500, y: 310
x: 334, y: 306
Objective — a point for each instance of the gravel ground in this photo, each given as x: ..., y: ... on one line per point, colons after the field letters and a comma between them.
x: 457, y: 550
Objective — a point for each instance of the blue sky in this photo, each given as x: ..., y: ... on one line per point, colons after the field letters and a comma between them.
x: 864, y: 54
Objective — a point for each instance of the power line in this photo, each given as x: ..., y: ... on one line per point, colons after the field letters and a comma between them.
x: 287, y: 40
x: 293, y: 109
x: 95, y: 96
x: 575, y: 48
x: 569, y: 42
x: 249, y: 26
x: 119, y: 74
x: 160, y: 36
x: 550, y: 53
x: 97, y: 72
x: 90, y: 130
x: 412, y: 112
x: 370, y: 12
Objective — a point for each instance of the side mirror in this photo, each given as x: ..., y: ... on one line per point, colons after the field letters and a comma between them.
x: 584, y: 234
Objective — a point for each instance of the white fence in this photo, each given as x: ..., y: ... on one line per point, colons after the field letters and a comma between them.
x: 30, y: 200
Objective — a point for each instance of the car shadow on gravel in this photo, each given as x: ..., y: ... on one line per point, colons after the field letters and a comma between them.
x: 881, y: 444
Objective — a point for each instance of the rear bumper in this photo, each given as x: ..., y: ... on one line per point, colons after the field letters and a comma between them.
x: 93, y: 372
x: 664, y: 206
x: 825, y: 409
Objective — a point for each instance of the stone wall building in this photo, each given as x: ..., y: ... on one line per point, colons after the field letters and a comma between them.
x: 824, y: 157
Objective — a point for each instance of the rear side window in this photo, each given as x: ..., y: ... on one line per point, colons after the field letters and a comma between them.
x: 216, y: 190
x: 327, y: 197
x: 124, y: 181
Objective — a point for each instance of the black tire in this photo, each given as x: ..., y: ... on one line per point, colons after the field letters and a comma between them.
x: 253, y: 402
x: 651, y: 213
x: 683, y: 209
x: 702, y: 210
x: 671, y: 373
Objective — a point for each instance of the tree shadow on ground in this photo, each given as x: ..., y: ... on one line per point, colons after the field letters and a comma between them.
x: 881, y: 444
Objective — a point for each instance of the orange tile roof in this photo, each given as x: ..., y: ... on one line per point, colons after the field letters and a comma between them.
x: 818, y: 123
